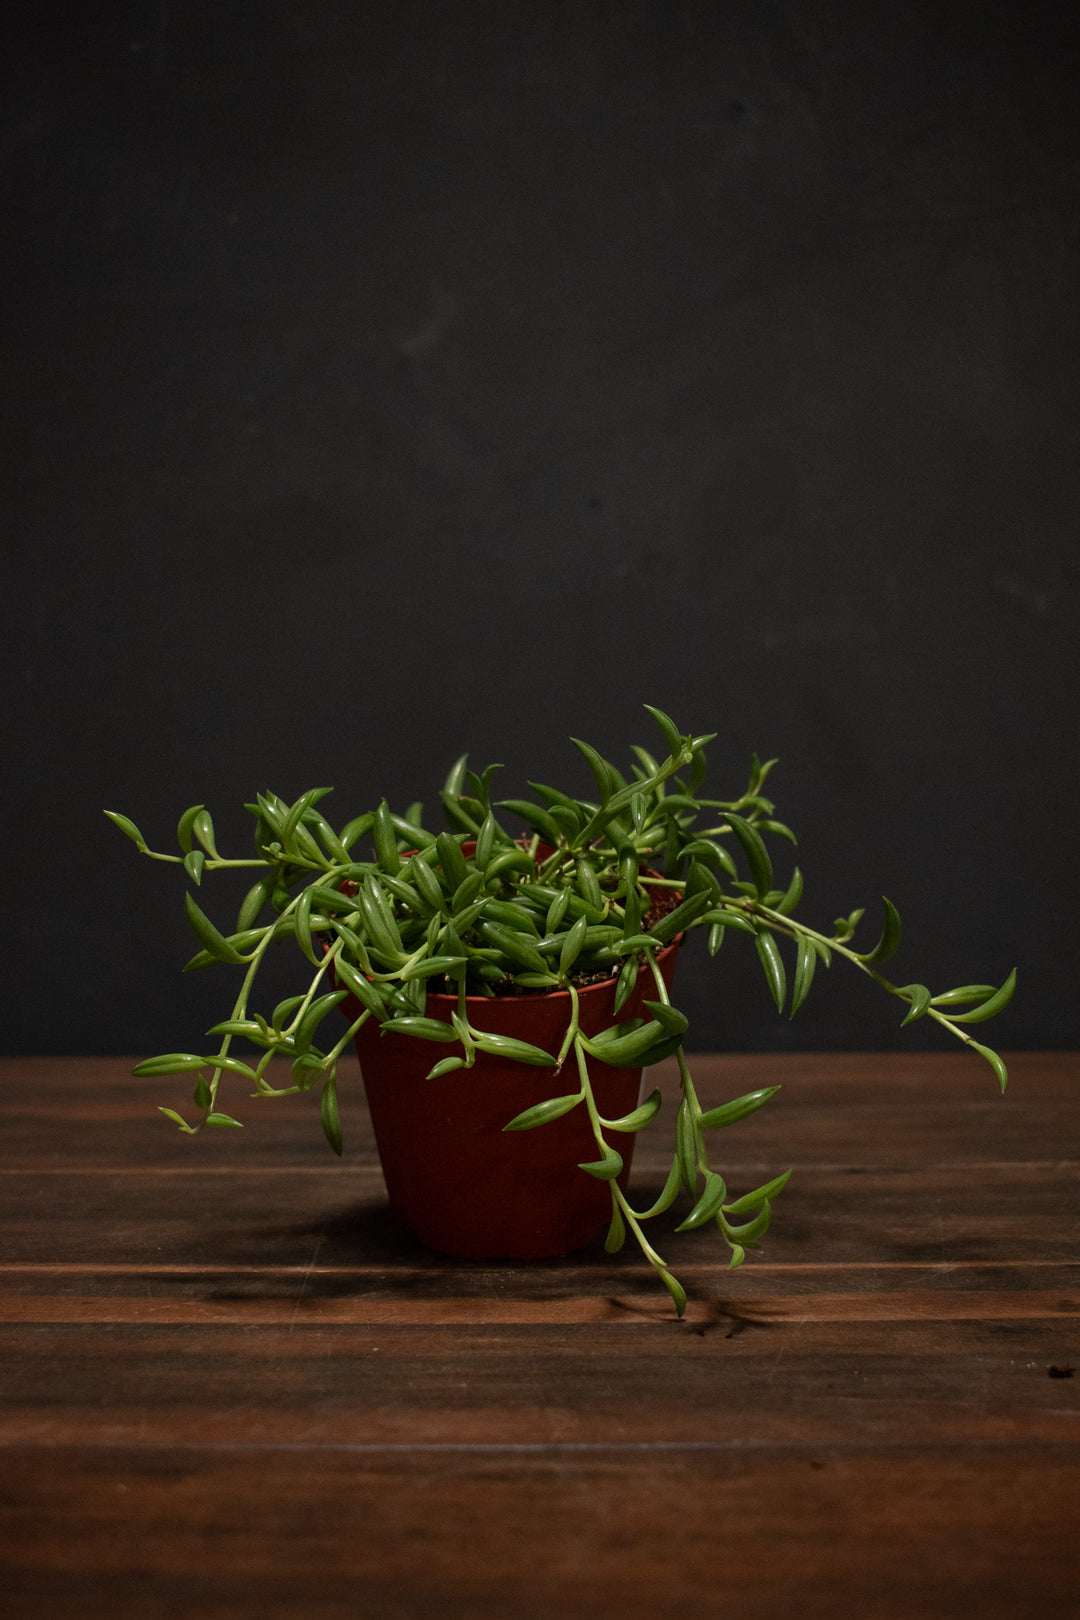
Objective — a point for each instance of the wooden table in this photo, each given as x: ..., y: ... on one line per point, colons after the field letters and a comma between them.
x: 230, y: 1385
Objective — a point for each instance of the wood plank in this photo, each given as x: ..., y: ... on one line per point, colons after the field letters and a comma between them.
x: 896, y: 1380
x: 230, y: 1384
x: 479, y: 1533
x: 281, y: 1216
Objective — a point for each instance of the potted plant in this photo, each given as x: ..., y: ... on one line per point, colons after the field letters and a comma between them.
x: 506, y: 989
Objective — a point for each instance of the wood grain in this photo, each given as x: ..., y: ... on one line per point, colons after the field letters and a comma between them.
x: 231, y: 1385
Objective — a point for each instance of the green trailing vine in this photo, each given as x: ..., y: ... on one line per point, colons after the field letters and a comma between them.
x: 479, y: 908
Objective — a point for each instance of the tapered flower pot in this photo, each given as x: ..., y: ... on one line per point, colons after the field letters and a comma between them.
x: 461, y: 1183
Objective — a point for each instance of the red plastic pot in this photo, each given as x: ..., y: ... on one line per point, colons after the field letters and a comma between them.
x: 460, y: 1182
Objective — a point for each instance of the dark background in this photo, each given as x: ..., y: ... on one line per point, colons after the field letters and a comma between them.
x: 382, y: 381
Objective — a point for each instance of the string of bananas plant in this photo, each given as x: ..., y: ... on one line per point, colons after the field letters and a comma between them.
x: 594, y: 890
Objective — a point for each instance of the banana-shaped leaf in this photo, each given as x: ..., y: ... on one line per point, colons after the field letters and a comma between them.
x: 730, y: 1113
x: 889, y: 943
x: 999, y: 1000
x: 328, y: 1113
x: 772, y: 963
x: 995, y: 1062
x: 805, y: 962
x: 640, y: 1117
x: 605, y: 1169
x: 707, y: 1205
x: 757, y: 856
x: 207, y: 935
x: 518, y: 1051
x: 919, y: 997
x: 751, y: 1200
x: 542, y: 1113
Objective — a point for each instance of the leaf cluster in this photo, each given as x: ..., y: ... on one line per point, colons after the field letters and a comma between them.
x: 522, y: 896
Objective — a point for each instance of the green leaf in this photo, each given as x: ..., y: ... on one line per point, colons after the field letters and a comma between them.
x: 712, y: 1197
x: 314, y: 1016
x: 616, y: 1233
x: 445, y: 1065
x: 778, y: 828
x: 427, y: 883
x: 517, y: 1051
x: 746, y: 1236
x: 757, y: 856
x: 424, y: 1029
x: 244, y: 1027
x: 202, y: 1094
x: 328, y: 1113
x: 451, y: 860
x: 354, y: 830
x: 805, y: 962
x: 672, y: 736
x: 430, y: 966
x: 409, y: 829
x: 385, y: 842
x: 679, y: 919
x: 792, y: 895
x: 603, y: 772
x: 889, y: 943
x: 569, y: 822
x: 515, y: 945
x: 537, y: 981
x: 997, y: 1002
x: 624, y: 1045
x: 963, y: 993
x: 919, y: 997
x: 641, y: 1116
x: 292, y: 830
x: 537, y: 817
x: 752, y: 1200
x: 670, y: 1019
x: 772, y: 962
x: 673, y: 1286
x: 170, y: 1063
x: 185, y: 827
x: 233, y: 1065
x: 542, y: 1113
x: 223, y: 1119
x: 284, y: 1010
x: 194, y: 861
x: 207, y: 935
x: 203, y: 828
x: 727, y: 918
x: 572, y: 945
x: 628, y: 978
x: 846, y: 926
x: 455, y: 780
x: 730, y: 1113
x: 330, y: 840
x: 686, y: 1148
x: 178, y: 1119
x: 588, y: 885
x: 128, y: 828
x: 302, y: 926
x: 605, y: 1169
x: 994, y: 1060
x: 253, y: 902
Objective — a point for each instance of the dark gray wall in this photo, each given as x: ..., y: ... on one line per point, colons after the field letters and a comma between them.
x: 383, y: 381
